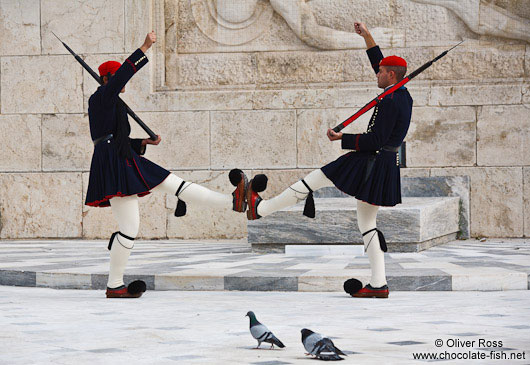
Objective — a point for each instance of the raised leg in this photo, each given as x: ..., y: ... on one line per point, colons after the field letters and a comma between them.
x: 294, y: 193
x: 193, y: 193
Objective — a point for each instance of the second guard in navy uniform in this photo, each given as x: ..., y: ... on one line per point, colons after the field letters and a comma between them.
x: 369, y: 172
x: 119, y: 175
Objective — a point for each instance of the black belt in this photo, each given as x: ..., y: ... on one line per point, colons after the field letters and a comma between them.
x: 391, y: 148
x: 102, y: 139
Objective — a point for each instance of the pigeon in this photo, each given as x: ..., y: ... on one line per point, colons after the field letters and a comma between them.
x: 261, y: 333
x: 320, y: 347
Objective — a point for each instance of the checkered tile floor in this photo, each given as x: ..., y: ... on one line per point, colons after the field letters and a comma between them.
x: 496, y: 264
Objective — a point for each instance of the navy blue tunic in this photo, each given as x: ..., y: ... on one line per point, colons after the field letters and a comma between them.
x: 370, y: 173
x: 110, y: 174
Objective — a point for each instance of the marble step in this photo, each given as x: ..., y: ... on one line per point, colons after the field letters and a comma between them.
x: 416, y: 224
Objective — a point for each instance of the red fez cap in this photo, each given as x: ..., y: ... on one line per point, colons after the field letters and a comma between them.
x: 109, y: 66
x: 393, y: 61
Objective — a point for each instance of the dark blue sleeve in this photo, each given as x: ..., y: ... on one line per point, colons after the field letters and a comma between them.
x: 375, y: 55
x: 129, y: 67
x: 379, y: 133
x: 136, y: 144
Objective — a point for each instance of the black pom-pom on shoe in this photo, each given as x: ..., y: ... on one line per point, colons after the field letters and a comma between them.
x: 235, y: 176
x: 259, y: 183
x: 352, y: 286
x: 136, y: 287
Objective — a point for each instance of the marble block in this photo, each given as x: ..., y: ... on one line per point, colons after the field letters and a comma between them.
x: 496, y: 199
x: 185, y: 142
x: 189, y: 282
x: 94, y: 26
x: 60, y: 280
x: 442, y: 186
x: 20, y: 138
x: 234, y: 137
x: 414, y: 221
x: 459, y: 93
x: 313, y: 146
x: 43, y: 205
x: 442, y: 137
x: 66, y: 143
x: 503, y: 135
x: 275, y: 68
x: 137, y: 23
x: 20, y: 24
x: 18, y: 278
x: 49, y: 84
x: 207, y: 71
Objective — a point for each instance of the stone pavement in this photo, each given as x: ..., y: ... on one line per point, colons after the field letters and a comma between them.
x: 46, y: 326
x: 496, y: 264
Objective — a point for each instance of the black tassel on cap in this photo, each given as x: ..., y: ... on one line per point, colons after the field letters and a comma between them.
x: 180, y: 211
x: 309, y: 207
x: 382, y: 241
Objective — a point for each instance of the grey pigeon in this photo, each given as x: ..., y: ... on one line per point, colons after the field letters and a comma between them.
x: 261, y: 333
x: 319, y: 346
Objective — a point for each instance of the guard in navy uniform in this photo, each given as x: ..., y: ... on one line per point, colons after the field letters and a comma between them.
x: 370, y: 172
x: 119, y: 175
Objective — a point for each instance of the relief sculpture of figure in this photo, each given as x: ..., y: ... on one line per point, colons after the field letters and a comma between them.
x: 235, y: 22
x: 485, y: 18
x: 300, y: 18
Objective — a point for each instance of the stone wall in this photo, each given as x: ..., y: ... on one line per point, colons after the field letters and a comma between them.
x: 262, y: 104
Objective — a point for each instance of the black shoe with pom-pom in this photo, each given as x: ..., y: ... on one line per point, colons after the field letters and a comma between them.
x: 133, y: 290
x: 239, y: 180
x: 255, y: 186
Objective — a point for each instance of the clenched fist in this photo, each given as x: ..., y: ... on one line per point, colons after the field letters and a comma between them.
x: 150, y: 38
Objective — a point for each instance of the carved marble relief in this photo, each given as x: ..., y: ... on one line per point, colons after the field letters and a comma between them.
x: 235, y: 22
x: 232, y: 22
x: 487, y: 18
x: 247, y: 44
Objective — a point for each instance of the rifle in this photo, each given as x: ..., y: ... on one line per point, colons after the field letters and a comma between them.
x: 133, y: 115
x: 380, y: 97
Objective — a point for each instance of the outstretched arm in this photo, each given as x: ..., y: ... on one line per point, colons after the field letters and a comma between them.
x: 362, y: 30
x: 131, y: 65
x: 373, y: 51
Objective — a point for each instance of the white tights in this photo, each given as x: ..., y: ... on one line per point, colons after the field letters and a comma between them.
x: 126, y: 212
x: 294, y: 193
x: 366, y: 219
